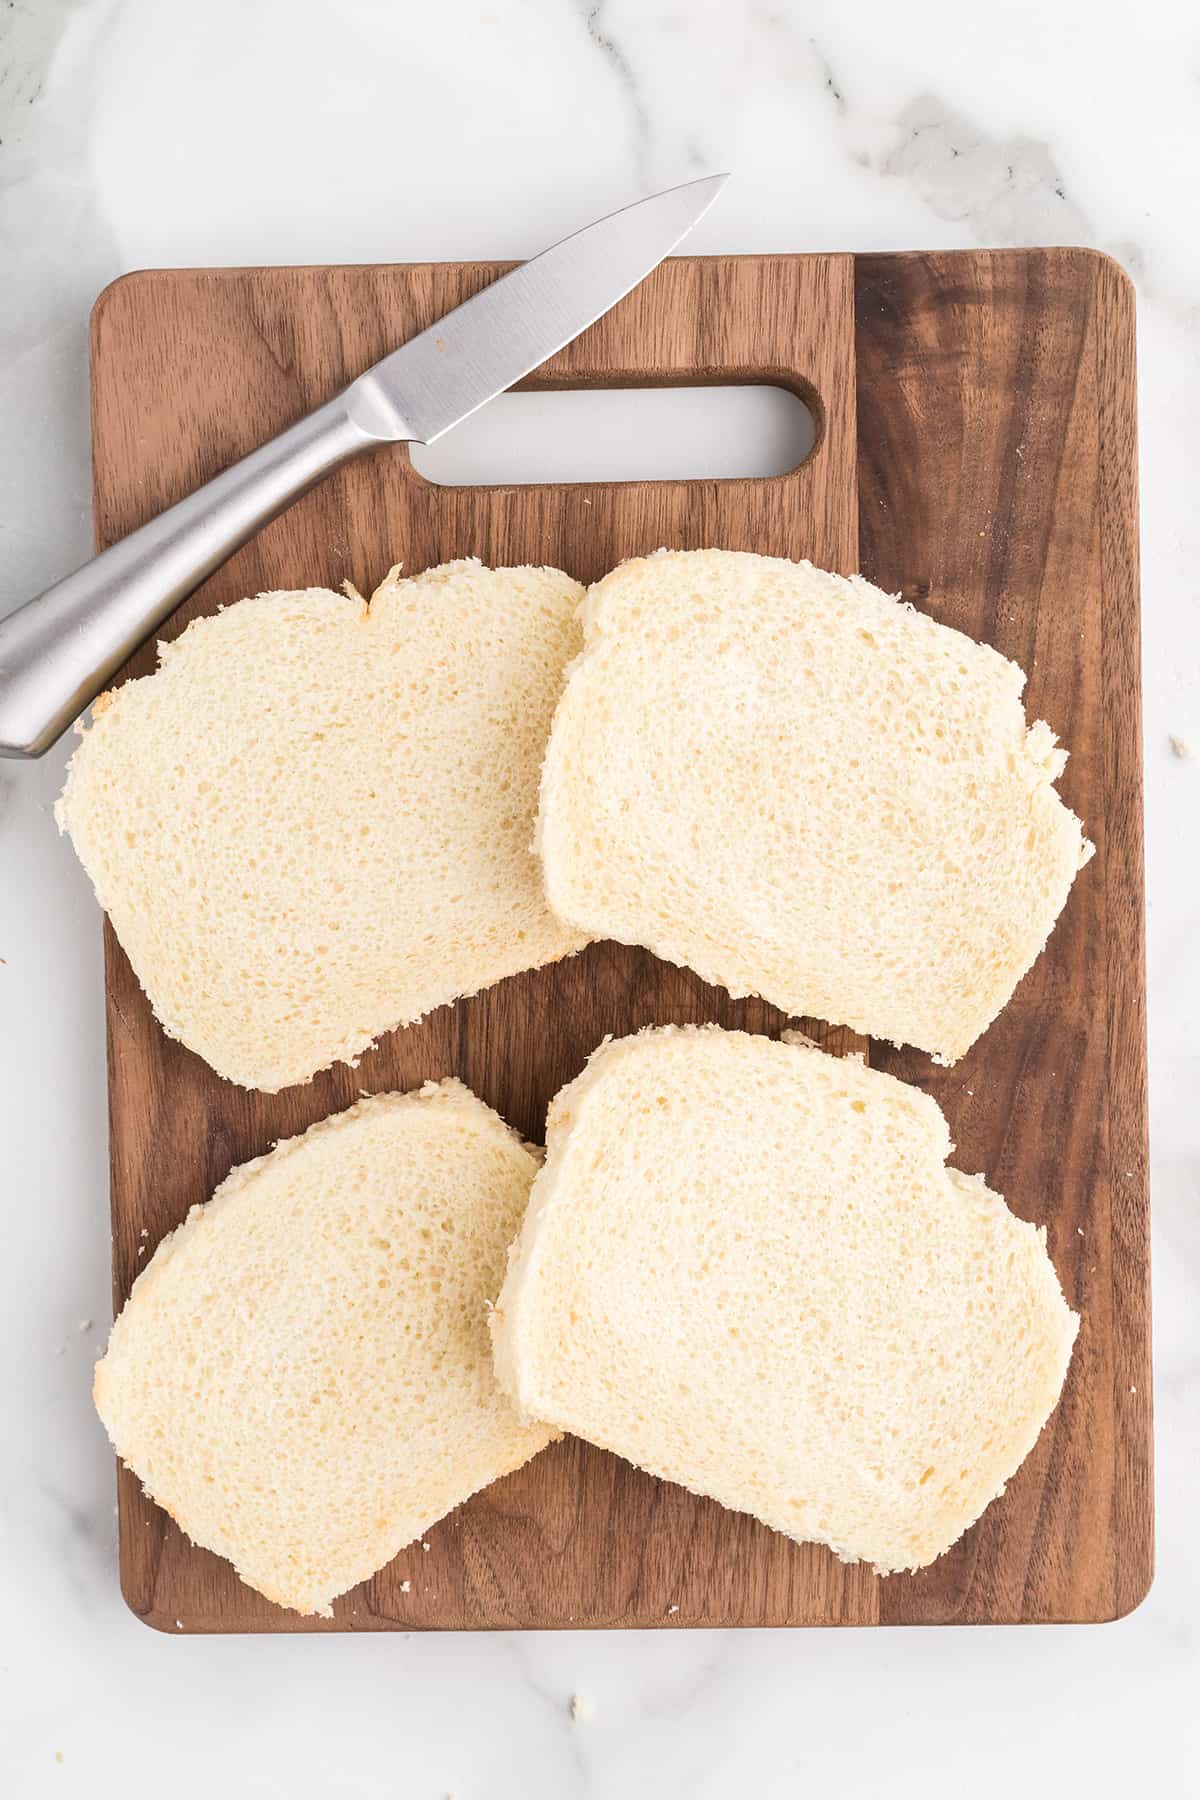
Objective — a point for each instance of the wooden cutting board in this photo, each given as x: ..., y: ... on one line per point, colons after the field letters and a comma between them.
x: 976, y: 452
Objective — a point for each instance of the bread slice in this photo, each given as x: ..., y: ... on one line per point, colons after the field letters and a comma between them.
x: 313, y: 822
x: 746, y: 1268
x: 302, y: 1375
x: 804, y: 789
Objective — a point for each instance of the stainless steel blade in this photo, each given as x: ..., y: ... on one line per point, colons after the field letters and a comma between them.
x: 58, y: 650
x: 481, y: 348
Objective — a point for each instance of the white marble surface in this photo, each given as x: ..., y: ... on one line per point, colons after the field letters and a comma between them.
x: 154, y: 131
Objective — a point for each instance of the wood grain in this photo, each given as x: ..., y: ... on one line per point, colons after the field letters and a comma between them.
x: 997, y: 490
x: 193, y: 368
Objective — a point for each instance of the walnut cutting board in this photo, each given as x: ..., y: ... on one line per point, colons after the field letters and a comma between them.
x: 976, y: 452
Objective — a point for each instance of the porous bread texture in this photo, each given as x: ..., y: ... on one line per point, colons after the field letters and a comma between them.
x: 746, y: 1268
x: 802, y: 788
x: 302, y: 1375
x: 313, y: 822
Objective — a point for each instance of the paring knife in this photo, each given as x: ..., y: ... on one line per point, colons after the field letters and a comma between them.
x: 59, y: 650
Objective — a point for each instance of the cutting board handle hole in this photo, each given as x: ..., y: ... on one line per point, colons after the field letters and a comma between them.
x: 710, y: 432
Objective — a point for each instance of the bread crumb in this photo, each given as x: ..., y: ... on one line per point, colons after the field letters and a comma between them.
x: 1079, y: 1231
x: 1133, y: 1390
x: 672, y: 1609
x: 86, y: 1324
x: 145, y: 1231
x: 424, y: 1546
x: 1180, y: 746
x: 582, y: 1708
x: 406, y: 1587
x: 179, y: 1624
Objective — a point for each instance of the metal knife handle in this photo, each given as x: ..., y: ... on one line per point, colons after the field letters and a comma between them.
x: 59, y: 650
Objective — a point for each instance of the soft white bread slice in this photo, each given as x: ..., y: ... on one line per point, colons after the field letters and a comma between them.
x: 302, y: 1375
x: 746, y: 1268
x: 804, y: 789
x: 313, y: 822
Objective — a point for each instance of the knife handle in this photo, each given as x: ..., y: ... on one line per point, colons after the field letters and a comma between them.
x: 58, y: 651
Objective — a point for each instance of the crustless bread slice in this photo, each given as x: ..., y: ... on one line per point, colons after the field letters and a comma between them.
x: 302, y: 1374
x: 804, y: 789
x: 313, y: 822
x: 745, y: 1267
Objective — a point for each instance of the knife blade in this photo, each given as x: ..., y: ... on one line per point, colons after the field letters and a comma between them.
x: 60, y: 649
x: 447, y: 372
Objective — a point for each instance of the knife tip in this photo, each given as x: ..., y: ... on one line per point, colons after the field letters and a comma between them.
x: 705, y: 189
